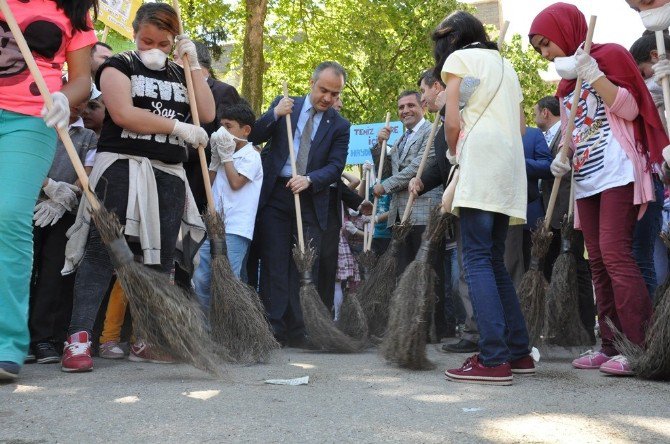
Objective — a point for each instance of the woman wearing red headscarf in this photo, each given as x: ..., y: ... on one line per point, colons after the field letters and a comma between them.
x: 617, y: 135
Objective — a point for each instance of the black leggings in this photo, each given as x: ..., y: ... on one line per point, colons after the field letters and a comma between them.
x: 96, y: 270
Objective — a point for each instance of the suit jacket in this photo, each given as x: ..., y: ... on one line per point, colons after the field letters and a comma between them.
x: 437, y: 169
x: 404, y: 167
x: 563, y: 198
x: 327, y: 155
x: 538, y: 166
x: 224, y: 95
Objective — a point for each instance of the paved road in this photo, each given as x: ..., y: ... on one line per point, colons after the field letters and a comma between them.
x: 349, y: 398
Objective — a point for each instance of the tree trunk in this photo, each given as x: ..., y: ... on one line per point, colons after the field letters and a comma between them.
x: 253, y: 65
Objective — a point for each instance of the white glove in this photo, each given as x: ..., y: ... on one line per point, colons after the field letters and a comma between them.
x: 350, y: 227
x: 367, y: 166
x: 48, y: 213
x: 366, y: 219
x: 559, y: 168
x: 666, y: 154
x: 587, y: 67
x: 224, y: 144
x: 185, y: 47
x: 661, y: 70
x: 62, y: 193
x: 59, y: 114
x: 191, y: 134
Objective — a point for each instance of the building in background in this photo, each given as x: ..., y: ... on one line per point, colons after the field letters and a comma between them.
x: 490, y: 12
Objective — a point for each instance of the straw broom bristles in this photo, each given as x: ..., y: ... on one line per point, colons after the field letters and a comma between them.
x: 237, y: 317
x: 352, y: 320
x: 165, y: 316
x: 533, y: 285
x: 322, y: 331
x: 413, y: 303
x: 563, y: 324
x: 375, y: 293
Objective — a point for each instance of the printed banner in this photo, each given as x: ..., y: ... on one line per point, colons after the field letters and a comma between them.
x: 363, y: 138
x: 119, y: 15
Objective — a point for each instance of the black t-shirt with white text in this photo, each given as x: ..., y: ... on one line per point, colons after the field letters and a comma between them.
x: 161, y: 92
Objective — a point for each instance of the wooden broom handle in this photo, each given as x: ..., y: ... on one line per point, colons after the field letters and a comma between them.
x: 567, y: 135
x: 368, y: 227
x: 378, y: 180
x: 211, y: 208
x: 501, y: 35
x: 665, y: 82
x: 422, y: 164
x: 291, y: 155
x: 46, y: 95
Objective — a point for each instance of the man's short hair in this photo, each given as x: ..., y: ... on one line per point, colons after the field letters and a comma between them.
x: 321, y: 67
x: 642, y: 48
x: 204, y: 57
x: 239, y: 112
x: 428, y: 77
x: 550, y: 103
x: 103, y: 44
x: 408, y: 92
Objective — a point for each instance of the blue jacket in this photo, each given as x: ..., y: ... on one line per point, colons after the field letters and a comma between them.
x: 538, y: 166
x: 327, y: 155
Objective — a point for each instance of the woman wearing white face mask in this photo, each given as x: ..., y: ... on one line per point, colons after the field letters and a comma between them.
x: 138, y: 169
x: 618, y: 134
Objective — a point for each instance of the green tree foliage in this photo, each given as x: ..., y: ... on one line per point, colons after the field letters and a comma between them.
x: 527, y: 64
x: 384, y: 45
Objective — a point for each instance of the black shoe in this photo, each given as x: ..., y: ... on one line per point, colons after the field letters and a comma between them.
x: 462, y: 346
x: 30, y: 357
x: 45, y: 353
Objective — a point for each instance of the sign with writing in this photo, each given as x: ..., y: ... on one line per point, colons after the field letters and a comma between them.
x: 363, y: 138
x: 119, y: 15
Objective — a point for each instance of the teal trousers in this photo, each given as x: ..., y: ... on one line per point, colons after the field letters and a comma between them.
x: 27, y: 148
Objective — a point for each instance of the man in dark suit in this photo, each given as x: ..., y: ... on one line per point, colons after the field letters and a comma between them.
x: 547, y: 118
x: 436, y: 174
x: 321, y: 140
x: 538, y: 164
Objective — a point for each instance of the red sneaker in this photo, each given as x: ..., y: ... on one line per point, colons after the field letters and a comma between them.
x: 140, y: 351
x: 475, y: 372
x: 524, y: 366
x: 77, y: 354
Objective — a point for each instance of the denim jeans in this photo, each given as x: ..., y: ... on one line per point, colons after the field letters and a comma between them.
x: 502, y: 329
x: 645, y: 236
x: 237, y: 248
x: 95, y: 271
x: 453, y: 307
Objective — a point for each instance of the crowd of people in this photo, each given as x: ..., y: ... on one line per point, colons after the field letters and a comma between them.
x: 129, y: 117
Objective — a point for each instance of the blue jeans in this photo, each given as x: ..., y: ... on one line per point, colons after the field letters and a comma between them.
x: 453, y: 307
x: 645, y: 235
x: 237, y: 248
x: 502, y: 329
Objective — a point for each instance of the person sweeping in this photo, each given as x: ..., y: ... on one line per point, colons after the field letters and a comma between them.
x: 617, y: 133
x: 28, y: 144
x: 488, y: 150
x: 138, y: 172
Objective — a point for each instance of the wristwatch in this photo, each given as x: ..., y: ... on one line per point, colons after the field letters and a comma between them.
x: 309, y: 179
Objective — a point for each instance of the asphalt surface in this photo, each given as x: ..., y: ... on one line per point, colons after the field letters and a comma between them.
x: 349, y: 398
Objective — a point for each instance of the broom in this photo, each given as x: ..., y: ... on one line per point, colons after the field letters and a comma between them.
x: 237, y: 318
x: 377, y: 289
x: 352, y: 317
x: 663, y: 288
x: 167, y: 317
x: 564, y: 327
x: 322, y: 331
x: 654, y: 362
x: 368, y: 258
x: 413, y: 299
x: 533, y: 285
x: 413, y: 302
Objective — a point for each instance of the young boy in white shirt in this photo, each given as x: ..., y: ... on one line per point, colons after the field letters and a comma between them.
x: 237, y: 175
